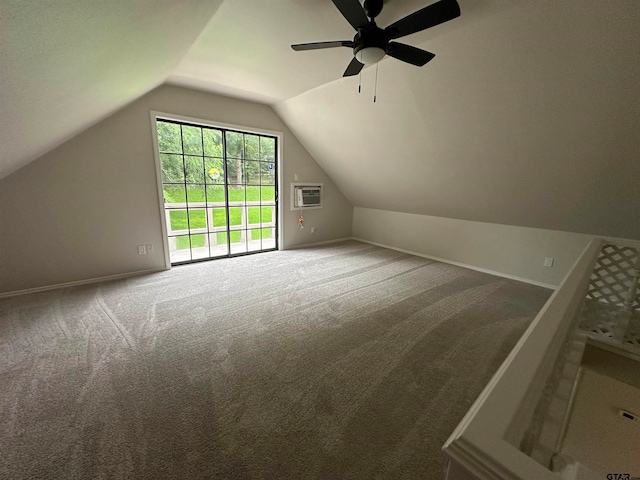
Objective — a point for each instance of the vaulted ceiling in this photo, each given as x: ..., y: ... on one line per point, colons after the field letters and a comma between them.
x: 528, y: 115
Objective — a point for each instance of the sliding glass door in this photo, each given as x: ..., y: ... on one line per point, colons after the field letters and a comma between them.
x: 220, y: 190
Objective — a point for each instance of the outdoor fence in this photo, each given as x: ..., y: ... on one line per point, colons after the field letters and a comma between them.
x: 210, y: 231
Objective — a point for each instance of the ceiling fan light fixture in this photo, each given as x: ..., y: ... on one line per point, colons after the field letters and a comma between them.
x: 372, y: 43
x: 370, y: 55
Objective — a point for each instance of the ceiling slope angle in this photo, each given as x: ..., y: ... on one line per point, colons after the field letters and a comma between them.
x: 509, y: 124
x: 67, y: 65
x: 244, y: 51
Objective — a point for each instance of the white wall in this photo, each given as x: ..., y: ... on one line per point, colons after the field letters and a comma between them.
x: 512, y: 251
x: 79, y: 211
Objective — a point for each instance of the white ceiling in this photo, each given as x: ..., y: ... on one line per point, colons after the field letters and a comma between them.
x: 245, y: 49
x: 67, y: 64
x: 525, y: 117
x: 529, y: 114
x: 70, y: 63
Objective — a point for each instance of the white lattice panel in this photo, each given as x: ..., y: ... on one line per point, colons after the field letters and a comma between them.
x: 611, y: 277
x: 610, y: 281
x: 598, y: 318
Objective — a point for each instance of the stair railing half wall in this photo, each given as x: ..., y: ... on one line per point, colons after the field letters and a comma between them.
x: 501, y: 435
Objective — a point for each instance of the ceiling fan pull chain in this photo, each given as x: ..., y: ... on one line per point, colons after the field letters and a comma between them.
x: 375, y: 88
x: 360, y: 82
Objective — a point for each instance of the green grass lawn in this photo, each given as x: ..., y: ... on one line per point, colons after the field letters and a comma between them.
x: 215, y: 193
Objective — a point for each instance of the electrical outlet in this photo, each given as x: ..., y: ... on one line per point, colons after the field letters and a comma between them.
x: 142, y: 250
x: 548, y: 262
x: 313, y: 229
x: 150, y: 248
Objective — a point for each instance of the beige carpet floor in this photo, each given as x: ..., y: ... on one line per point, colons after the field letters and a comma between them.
x: 346, y: 361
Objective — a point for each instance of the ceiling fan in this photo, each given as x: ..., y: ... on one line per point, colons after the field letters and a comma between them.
x: 371, y: 43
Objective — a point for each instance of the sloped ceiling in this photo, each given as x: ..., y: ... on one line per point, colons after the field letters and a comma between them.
x: 245, y: 50
x: 67, y: 64
x: 529, y: 114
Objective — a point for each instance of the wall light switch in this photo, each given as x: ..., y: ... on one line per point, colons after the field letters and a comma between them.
x: 295, y: 177
x: 548, y: 262
x: 142, y: 250
x: 150, y: 248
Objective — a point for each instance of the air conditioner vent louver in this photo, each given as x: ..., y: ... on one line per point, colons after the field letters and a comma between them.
x: 306, y: 196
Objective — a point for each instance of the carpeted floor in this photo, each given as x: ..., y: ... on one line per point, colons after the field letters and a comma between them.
x: 346, y: 361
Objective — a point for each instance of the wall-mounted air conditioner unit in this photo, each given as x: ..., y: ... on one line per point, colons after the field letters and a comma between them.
x: 306, y: 196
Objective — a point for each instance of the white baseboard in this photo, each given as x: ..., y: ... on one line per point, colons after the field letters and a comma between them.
x: 459, y: 264
x: 80, y: 282
x: 315, y: 244
x: 131, y: 274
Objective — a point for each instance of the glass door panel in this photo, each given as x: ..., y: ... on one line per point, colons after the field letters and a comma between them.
x: 219, y: 190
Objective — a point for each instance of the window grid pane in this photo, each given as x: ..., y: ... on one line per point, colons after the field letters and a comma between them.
x: 218, y: 187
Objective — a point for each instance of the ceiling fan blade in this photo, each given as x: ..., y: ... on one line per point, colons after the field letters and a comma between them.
x: 409, y: 54
x: 353, y: 12
x: 427, y: 17
x: 354, y: 68
x: 317, y: 45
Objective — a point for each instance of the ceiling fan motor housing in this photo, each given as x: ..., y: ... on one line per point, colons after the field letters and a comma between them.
x: 372, y: 8
x: 370, y: 44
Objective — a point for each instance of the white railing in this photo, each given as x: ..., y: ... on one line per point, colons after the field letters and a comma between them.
x: 517, y: 423
x: 209, y: 228
x: 508, y: 415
